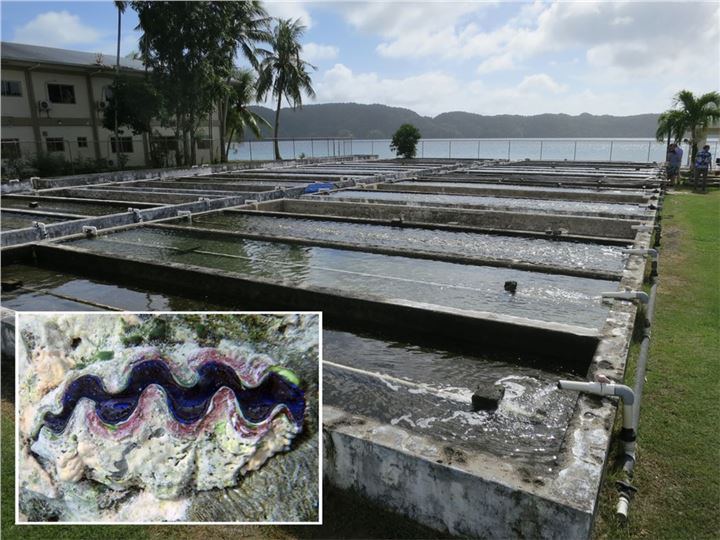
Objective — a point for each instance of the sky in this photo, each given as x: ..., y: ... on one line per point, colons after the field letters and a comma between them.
x: 617, y: 58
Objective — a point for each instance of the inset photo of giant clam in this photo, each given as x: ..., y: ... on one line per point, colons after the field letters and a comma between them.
x: 173, y: 417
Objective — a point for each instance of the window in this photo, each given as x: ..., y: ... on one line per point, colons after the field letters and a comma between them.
x: 107, y: 93
x: 126, y: 145
x: 10, y: 149
x: 82, y: 142
x: 11, y: 88
x: 55, y: 144
x: 165, y: 144
x: 204, y: 144
x: 61, y: 93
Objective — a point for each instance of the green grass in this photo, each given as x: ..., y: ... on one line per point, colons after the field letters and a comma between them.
x: 678, y: 467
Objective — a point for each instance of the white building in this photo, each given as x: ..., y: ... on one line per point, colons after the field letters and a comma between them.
x: 53, y: 102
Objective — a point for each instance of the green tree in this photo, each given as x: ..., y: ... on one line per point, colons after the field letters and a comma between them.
x: 689, y: 113
x: 190, y: 48
x: 253, y: 28
x: 239, y: 117
x: 134, y: 102
x: 404, y: 141
x: 282, y: 72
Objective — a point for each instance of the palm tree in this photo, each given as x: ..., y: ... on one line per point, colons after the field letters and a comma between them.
x: 689, y: 113
x: 282, y: 72
x: 251, y: 26
x: 120, y: 9
x: 239, y: 116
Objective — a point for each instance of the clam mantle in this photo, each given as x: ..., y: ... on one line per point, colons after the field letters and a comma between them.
x: 115, y: 425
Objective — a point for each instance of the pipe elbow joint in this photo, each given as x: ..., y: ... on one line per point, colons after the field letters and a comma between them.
x: 625, y: 393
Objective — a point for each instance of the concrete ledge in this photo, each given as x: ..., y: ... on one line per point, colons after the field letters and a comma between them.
x: 68, y: 228
x: 140, y: 174
x: 587, y: 226
x: 15, y: 187
x: 547, y: 180
x: 109, y: 202
x: 597, y: 196
x: 479, y: 496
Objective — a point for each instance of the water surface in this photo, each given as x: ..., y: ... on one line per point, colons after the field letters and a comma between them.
x: 539, y: 296
x: 511, y: 248
x: 428, y: 391
x: 499, y: 203
x: 50, y: 290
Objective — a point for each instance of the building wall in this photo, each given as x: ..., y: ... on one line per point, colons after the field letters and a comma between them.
x: 79, y: 109
x: 15, y: 105
x: 24, y: 120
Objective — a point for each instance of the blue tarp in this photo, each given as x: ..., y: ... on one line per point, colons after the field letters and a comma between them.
x: 317, y: 186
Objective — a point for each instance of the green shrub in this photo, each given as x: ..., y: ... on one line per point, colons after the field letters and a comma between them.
x: 404, y: 141
x: 51, y: 165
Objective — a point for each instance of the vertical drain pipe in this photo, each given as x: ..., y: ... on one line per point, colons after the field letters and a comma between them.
x: 626, y: 490
x: 631, y: 398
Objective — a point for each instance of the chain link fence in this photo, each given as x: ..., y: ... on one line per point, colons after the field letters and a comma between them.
x: 59, y: 156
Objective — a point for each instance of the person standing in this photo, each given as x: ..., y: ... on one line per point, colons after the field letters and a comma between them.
x: 702, y: 165
x: 674, y: 160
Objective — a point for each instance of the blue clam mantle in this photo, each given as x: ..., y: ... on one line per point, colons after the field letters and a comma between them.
x: 187, y: 404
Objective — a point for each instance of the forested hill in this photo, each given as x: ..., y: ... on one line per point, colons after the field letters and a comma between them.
x: 381, y: 121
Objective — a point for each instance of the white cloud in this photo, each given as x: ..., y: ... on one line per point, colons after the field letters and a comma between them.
x: 394, y: 19
x: 434, y: 92
x: 626, y: 37
x: 541, y: 82
x: 289, y: 10
x: 502, y: 62
x: 314, y: 52
x: 426, y: 93
x: 56, y: 29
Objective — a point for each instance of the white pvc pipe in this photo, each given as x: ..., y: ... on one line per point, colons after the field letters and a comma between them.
x: 607, y: 389
x: 628, y: 295
x: 622, y: 507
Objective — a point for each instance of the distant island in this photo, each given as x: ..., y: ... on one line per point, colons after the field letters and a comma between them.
x: 380, y: 122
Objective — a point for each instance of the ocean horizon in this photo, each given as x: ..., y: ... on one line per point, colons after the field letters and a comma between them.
x: 641, y: 150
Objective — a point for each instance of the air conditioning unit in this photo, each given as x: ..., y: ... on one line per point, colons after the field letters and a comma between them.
x: 44, y: 106
x: 101, y: 105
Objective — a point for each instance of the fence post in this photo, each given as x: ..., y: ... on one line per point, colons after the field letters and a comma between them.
x: 372, y: 147
x: 250, y: 146
x: 294, y: 154
x: 422, y: 149
x: 312, y: 147
x: 541, y: 148
x: 509, y: 142
x: 351, y: 148
x: 575, y: 152
x: 328, y: 147
x: 611, y: 149
x: 478, y: 148
x: 450, y: 149
x: 649, y: 143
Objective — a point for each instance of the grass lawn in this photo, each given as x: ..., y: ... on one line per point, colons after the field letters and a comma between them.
x: 678, y: 468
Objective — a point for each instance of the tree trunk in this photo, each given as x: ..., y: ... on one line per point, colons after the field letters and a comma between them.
x: 229, y: 141
x: 193, y: 145
x: 693, y: 148
x: 186, y: 147
x: 222, y: 118
x: 277, y: 128
x: 178, y: 157
x: 117, y: 73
